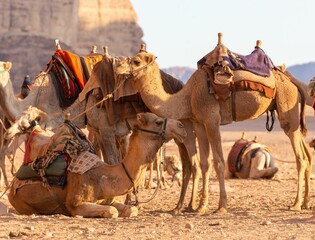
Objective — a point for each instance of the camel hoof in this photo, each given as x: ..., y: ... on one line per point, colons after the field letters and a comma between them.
x: 221, y: 210
x: 176, y: 211
x: 129, y: 212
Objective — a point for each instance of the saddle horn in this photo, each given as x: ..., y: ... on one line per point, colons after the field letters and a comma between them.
x: 142, y: 48
x: 57, y: 44
x: 93, y: 49
x: 105, y: 50
x: 220, y: 35
x: 258, y: 44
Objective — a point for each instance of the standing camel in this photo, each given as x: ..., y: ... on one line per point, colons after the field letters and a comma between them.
x: 195, y: 102
x: 101, y: 181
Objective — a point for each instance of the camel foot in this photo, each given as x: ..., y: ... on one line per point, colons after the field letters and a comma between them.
x: 111, y: 213
x: 129, y: 211
x: 295, y: 207
x: 272, y: 172
x: 221, y: 210
x: 306, y: 204
x: 176, y: 211
x: 151, y: 186
x: 202, y: 210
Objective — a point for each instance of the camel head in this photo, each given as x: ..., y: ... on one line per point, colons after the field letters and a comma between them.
x: 311, y: 87
x: 133, y: 65
x: 157, y: 127
x: 26, y: 122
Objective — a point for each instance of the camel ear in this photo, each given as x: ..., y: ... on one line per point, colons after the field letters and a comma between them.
x: 150, y: 58
x: 7, y: 66
x: 141, y: 118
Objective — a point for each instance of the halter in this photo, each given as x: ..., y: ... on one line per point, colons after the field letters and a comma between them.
x: 133, y: 72
x: 161, y: 133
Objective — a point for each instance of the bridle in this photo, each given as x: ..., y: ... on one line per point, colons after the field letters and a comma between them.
x: 132, y: 71
x: 160, y: 133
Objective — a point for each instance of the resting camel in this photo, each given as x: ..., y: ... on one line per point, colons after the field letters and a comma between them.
x: 195, y: 102
x: 250, y: 159
x: 102, y: 181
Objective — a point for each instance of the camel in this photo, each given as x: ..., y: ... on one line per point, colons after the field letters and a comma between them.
x: 187, y: 150
x: 250, y: 159
x: 171, y: 165
x: 43, y: 96
x: 84, y: 191
x: 195, y: 102
x: 24, y: 91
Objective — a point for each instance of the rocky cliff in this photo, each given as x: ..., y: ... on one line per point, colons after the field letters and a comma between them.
x: 28, y: 30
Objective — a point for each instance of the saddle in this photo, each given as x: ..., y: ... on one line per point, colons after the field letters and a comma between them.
x: 235, y: 155
x: 229, y: 72
x: 51, y: 154
x: 71, y: 72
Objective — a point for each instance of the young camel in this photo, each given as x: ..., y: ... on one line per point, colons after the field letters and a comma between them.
x: 196, y: 103
x: 103, y: 181
x: 250, y: 159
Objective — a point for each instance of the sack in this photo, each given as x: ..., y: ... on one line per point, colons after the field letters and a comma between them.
x: 56, y: 168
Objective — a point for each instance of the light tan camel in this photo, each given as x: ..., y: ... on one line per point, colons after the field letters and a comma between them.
x: 84, y: 190
x: 5, y: 124
x: 187, y: 150
x: 43, y: 96
x: 250, y: 159
x: 195, y: 102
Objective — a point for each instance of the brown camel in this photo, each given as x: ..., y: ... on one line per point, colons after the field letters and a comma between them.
x: 195, y: 102
x: 103, y: 181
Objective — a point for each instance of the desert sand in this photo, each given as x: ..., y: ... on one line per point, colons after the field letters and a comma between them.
x: 257, y: 209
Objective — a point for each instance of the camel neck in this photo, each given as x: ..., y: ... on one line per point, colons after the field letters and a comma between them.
x: 149, y: 84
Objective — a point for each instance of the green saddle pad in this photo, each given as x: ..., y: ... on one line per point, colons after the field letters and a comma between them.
x: 56, y: 168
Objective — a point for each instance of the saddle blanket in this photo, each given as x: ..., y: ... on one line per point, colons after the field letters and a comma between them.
x: 84, y: 163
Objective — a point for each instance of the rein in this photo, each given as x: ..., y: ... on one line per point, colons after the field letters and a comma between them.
x: 134, y: 189
x: 133, y: 72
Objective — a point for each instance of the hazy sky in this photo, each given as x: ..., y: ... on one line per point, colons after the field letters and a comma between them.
x: 180, y: 32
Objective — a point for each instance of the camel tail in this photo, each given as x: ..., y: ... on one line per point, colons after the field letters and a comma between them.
x: 302, y: 101
x: 302, y: 112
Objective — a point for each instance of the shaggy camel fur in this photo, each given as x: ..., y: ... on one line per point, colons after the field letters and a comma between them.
x: 250, y: 159
x: 102, y: 182
x: 187, y: 150
x: 195, y: 102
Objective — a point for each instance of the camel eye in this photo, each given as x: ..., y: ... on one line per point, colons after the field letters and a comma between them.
x: 136, y: 62
x: 159, y: 122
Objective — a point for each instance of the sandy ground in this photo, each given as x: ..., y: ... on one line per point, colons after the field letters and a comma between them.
x: 257, y: 209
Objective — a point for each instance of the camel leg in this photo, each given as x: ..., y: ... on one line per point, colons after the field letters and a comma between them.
x: 149, y: 184
x: 186, y: 175
x: 205, y: 164
x: 214, y: 137
x: 257, y: 168
x: 123, y: 209
x: 87, y: 209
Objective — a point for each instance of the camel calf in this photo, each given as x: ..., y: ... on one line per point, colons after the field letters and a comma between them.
x: 87, y: 189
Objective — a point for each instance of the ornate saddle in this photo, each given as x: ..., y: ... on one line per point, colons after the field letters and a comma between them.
x: 228, y: 71
x: 70, y: 73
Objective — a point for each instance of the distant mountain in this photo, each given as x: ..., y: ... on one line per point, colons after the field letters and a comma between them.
x: 304, y: 72
x: 181, y: 73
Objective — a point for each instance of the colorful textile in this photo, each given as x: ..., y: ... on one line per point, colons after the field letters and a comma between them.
x: 84, y: 162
